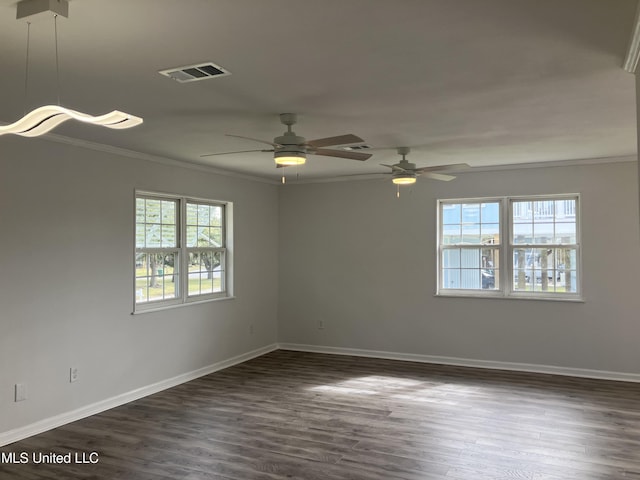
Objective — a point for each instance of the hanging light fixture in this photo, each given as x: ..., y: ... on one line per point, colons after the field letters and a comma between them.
x: 45, y: 118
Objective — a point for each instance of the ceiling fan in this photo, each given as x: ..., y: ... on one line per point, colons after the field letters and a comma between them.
x: 406, y: 173
x: 291, y: 149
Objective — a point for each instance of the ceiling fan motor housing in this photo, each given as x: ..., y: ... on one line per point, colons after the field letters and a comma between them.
x: 290, y: 150
x: 290, y: 142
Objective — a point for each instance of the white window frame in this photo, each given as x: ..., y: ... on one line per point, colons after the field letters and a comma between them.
x: 182, y: 253
x: 506, y: 247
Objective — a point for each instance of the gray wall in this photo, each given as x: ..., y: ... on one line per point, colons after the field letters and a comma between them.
x: 363, y: 262
x: 349, y: 254
x: 66, y: 291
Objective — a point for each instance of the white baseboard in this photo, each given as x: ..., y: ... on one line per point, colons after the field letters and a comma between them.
x: 41, y: 426
x: 465, y: 362
x: 17, y: 434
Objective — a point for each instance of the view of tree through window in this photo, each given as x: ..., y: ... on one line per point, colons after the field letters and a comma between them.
x: 205, y: 244
x: 180, y: 250
x: 156, y: 249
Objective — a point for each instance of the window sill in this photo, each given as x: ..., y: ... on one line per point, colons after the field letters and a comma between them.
x: 500, y: 296
x: 179, y: 305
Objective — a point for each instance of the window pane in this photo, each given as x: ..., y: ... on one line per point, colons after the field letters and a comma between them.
x: 522, y: 212
x: 490, y: 212
x: 169, y: 236
x: 471, y: 213
x: 192, y: 236
x: 549, y: 223
x: 490, y: 279
x: 471, y: 233
x: 201, y: 218
x: 451, y: 258
x: 152, y: 211
x: 490, y: 233
x: 155, y: 223
x: 520, y: 262
x: 140, y: 212
x: 543, y: 210
x: 470, y: 258
x: 470, y: 278
x: 566, y: 232
x: 565, y: 210
x: 152, y: 239
x: 192, y: 214
x: 522, y: 233
x: 470, y: 268
x: 216, y: 216
x: 451, y: 214
x: 215, y: 236
x: 140, y: 232
x: 168, y: 212
x: 543, y: 232
x: 544, y: 270
x: 451, y: 278
x: 203, y: 214
x: 205, y: 273
x: 158, y: 249
x: 451, y: 234
x: 470, y: 223
x: 156, y: 277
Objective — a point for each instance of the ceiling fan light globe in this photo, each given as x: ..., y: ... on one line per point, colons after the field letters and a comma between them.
x: 290, y: 159
x: 404, y: 179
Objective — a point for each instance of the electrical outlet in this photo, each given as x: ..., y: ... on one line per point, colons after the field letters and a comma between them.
x: 73, y: 374
x: 21, y: 392
x: 320, y: 324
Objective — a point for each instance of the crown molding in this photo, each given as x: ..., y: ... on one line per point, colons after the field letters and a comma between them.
x: 123, y: 152
x: 100, y: 147
x: 633, y: 51
x: 487, y: 168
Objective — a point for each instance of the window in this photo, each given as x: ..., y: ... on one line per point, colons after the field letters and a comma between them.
x: 520, y: 247
x: 181, y: 250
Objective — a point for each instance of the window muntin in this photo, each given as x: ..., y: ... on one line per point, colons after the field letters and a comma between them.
x: 540, y: 259
x: 172, y: 232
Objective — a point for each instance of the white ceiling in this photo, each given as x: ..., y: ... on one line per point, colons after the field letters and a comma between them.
x: 486, y: 82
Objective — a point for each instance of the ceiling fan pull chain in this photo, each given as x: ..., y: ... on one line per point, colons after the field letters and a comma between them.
x: 26, y: 70
x: 55, y: 30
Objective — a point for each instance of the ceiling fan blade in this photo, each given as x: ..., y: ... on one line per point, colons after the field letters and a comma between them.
x: 341, y: 154
x: 453, y: 166
x: 438, y: 176
x: 396, y: 168
x: 339, y: 140
x: 275, y: 145
x: 231, y: 153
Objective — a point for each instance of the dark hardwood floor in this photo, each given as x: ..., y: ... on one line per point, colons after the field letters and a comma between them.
x: 310, y: 416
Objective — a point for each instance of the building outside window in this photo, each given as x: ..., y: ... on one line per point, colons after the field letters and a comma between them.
x: 518, y: 246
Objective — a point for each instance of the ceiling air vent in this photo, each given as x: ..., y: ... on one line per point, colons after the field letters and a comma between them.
x: 193, y: 73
